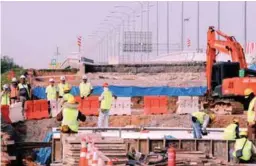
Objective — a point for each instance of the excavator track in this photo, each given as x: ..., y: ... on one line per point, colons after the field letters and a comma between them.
x: 227, y: 106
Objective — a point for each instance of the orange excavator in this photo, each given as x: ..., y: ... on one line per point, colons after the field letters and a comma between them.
x: 226, y: 81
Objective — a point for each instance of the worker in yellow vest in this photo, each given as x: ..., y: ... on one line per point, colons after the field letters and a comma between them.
x: 200, y: 120
x: 61, y: 86
x: 51, y: 93
x: 24, y: 90
x: 231, y: 132
x: 70, y: 116
x: 243, y: 149
x: 85, y: 87
x: 67, y: 93
x: 105, y: 106
x: 5, y: 95
x: 250, y: 96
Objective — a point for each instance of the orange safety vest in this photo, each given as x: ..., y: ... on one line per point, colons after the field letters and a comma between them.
x: 14, y: 91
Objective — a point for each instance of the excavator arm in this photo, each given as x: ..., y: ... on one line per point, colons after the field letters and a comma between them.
x: 228, y: 46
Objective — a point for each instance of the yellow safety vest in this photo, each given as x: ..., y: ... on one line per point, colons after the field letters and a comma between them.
x: 21, y: 86
x: 200, y: 116
x: 51, y: 92
x: 251, y: 112
x: 230, y: 132
x: 61, y: 88
x: 5, y: 99
x: 107, y: 100
x: 70, y: 118
x: 67, y: 96
x: 85, y: 89
x: 247, y: 151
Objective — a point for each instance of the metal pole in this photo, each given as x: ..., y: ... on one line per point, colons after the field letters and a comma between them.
x: 168, y: 40
x: 134, y: 39
x: 198, y: 13
x: 218, y: 18
x: 245, y: 24
x: 157, y: 50
x: 182, y: 26
x: 148, y: 34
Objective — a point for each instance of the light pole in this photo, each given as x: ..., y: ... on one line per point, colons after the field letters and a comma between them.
x: 245, y: 24
x: 198, y: 26
x: 134, y: 29
x: 168, y: 35
x: 182, y: 26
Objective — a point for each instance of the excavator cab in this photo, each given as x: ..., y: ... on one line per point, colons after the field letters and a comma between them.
x: 221, y: 71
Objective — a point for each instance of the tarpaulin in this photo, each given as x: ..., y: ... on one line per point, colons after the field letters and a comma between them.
x: 44, y: 154
x: 253, y: 67
x: 131, y: 91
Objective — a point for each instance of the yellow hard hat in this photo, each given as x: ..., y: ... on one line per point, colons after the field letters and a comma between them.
x: 247, y: 92
x: 243, y: 133
x: 66, y: 88
x: 71, y: 100
x: 235, y: 120
x: 212, y: 116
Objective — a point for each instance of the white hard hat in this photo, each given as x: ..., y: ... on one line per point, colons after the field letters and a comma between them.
x: 22, y: 76
x: 5, y: 86
x: 14, y: 79
x: 84, y: 77
x: 51, y: 80
x: 62, y: 78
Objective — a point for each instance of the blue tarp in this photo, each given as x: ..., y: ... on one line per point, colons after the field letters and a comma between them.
x: 44, y: 153
x: 253, y: 67
x: 131, y: 91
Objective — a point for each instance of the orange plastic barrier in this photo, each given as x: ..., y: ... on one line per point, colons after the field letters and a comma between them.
x: 90, y: 105
x: 36, y: 109
x: 155, y: 105
x: 5, y: 110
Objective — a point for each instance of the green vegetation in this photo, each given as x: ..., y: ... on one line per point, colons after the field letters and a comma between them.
x: 8, y: 64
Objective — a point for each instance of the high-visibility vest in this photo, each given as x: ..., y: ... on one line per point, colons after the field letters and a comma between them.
x: 85, y: 89
x: 70, y: 118
x: 247, y: 151
x: 67, y: 96
x: 5, y: 99
x: 107, y: 100
x: 14, y: 91
x: 251, y: 112
x: 51, y: 92
x: 21, y: 86
x: 200, y: 116
x: 61, y: 88
x: 230, y: 132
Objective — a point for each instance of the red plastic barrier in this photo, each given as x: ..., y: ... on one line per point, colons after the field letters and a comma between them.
x: 36, y: 109
x: 155, y: 105
x: 90, y: 105
x: 5, y: 110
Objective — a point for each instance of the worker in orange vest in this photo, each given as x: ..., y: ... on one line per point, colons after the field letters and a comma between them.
x: 14, y: 91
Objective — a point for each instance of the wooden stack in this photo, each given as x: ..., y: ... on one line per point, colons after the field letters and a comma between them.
x: 112, y: 148
x: 5, y: 144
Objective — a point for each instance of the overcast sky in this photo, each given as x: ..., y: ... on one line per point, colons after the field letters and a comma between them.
x: 32, y: 30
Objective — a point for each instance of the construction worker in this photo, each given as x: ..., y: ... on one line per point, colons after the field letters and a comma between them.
x: 250, y: 96
x: 243, y: 149
x: 105, y: 105
x: 14, y: 91
x: 51, y: 93
x: 231, y: 132
x: 200, y: 121
x: 61, y: 86
x: 24, y: 90
x: 5, y: 95
x: 67, y: 93
x: 85, y: 87
x: 69, y: 116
